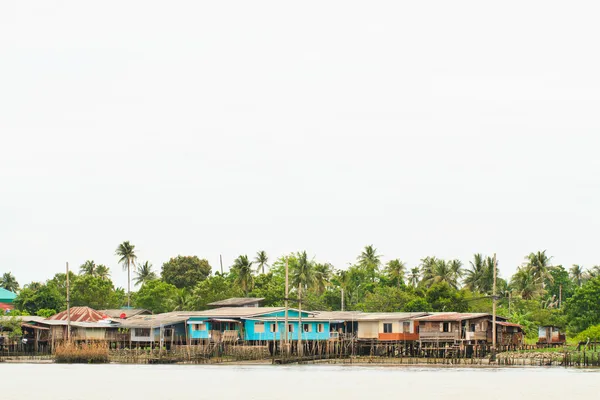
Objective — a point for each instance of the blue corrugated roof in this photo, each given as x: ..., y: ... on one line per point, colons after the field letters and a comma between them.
x: 6, y: 296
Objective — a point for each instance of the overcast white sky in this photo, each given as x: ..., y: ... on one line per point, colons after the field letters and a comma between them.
x: 226, y: 127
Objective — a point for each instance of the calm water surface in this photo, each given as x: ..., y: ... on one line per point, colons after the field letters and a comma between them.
x: 64, y: 382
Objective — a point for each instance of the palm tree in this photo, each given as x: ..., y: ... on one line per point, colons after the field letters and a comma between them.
x: 242, y: 267
x: 428, y: 265
x: 539, y: 266
x: 103, y: 272
x: 261, y: 260
x: 88, y: 268
x: 593, y: 272
x: 395, y: 270
x: 144, y: 274
x: 370, y: 261
x: 414, y: 276
x: 577, y: 274
x: 182, y: 300
x: 126, y: 252
x: 322, y: 273
x: 9, y: 282
x: 442, y: 272
x: 474, y: 276
x: 457, y: 270
x: 525, y: 284
x: 303, y: 271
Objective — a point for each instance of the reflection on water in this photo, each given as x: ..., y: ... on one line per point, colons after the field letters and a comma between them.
x: 146, y: 382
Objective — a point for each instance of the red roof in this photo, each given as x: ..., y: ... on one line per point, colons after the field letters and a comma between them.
x: 80, y: 314
x: 6, y: 306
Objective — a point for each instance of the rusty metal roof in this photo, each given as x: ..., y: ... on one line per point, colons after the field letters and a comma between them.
x: 79, y: 314
x: 504, y: 323
x: 129, y: 312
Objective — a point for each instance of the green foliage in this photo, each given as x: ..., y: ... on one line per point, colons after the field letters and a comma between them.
x: 583, y: 308
x: 12, y: 325
x: 185, y: 271
x: 38, y: 296
x: 443, y: 297
x: 215, y: 288
x: 592, y: 333
x: 157, y: 296
x: 94, y: 292
x: 386, y: 299
x: 45, y: 312
x: 9, y: 282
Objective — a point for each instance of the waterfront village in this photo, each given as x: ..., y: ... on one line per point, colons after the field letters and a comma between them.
x: 244, y: 323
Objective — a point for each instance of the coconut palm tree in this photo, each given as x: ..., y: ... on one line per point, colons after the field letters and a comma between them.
x: 9, y: 282
x: 261, y: 260
x: 144, y: 274
x: 88, y: 268
x: 395, y: 270
x: 182, y: 300
x: 322, y: 273
x: 428, y: 265
x: 577, y: 274
x: 303, y: 271
x: 442, y: 272
x: 370, y: 261
x: 103, y: 272
x: 539, y: 266
x: 242, y: 268
x: 413, y: 278
x: 524, y: 284
x: 457, y: 270
x: 474, y: 276
x: 126, y: 252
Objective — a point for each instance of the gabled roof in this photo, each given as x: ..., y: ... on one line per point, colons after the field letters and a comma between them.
x: 340, y: 315
x: 238, y: 312
x: 6, y: 296
x: 129, y: 312
x: 454, y: 316
x: 236, y: 302
x: 390, y: 316
x: 79, y: 314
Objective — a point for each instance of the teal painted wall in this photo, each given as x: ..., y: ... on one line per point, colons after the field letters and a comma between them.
x: 250, y: 334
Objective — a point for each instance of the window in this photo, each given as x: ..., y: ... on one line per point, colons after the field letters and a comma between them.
x: 307, y: 327
x: 290, y: 328
x: 320, y: 328
x: 472, y: 328
x: 199, y: 327
x: 406, y: 327
x: 274, y: 328
x: 446, y: 327
x: 387, y: 328
x: 259, y: 327
x: 142, y: 331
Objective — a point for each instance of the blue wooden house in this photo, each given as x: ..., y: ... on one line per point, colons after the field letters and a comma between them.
x: 255, y: 324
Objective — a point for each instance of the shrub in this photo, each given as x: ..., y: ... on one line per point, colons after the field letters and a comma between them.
x: 70, y: 353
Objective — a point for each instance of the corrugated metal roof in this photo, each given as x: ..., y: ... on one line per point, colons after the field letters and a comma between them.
x: 132, y: 312
x: 79, y: 314
x: 6, y: 306
x: 7, y: 296
x: 394, y: 316
x: 503, y: 323
x: 236, y: 301
x: 453, y: 316
x: 152, y: 321
x: 234, y: 312
x: 339, y: 315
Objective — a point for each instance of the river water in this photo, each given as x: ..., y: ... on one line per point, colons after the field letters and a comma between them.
x: 150, y: 382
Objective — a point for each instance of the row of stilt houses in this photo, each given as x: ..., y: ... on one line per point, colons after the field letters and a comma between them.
x: 241, y: 321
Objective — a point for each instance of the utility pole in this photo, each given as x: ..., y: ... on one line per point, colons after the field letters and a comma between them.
x: 300, y: 319
x: 68, y: 307
x: 494, y: 311
x: 342, y: 299
x: 287, y: 292
x: 221, y: 261
x: 559, y: 296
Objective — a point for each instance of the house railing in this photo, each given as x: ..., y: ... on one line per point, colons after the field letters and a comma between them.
x: 444, y: 336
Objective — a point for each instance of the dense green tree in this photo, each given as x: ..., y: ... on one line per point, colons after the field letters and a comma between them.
x: 9, y: 282
x: 242, y: 270
x: 443, y: 297
x: 261, y: 261
x: 560, y: 287
x: 144, y: 273
x: 39, y: 296
x: 215, y: 288
x: 157, y: 296
x: 583, y: 308
x: 524, y: 284
x: 386, y: 299
x: 271, y: 287
x: 185, y: 271
x: 94, y: 292
x: 127, y: 258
